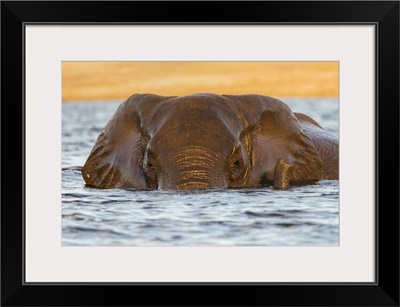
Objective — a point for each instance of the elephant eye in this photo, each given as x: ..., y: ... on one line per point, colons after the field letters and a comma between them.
x: 235, y: 164
x: 238, y: 166
x: 235, y: 159
x: 150, y: 168
x: 235, y: 168
x: 150, y: 165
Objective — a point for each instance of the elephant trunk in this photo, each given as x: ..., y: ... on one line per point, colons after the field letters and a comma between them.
x: 195, y: 167
x: 193, y: 178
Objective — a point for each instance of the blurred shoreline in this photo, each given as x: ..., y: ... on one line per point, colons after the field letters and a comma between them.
x: 116, y: 100
x: 116, y: 81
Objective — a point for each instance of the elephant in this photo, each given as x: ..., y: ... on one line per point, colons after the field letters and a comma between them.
x: 207, y: 140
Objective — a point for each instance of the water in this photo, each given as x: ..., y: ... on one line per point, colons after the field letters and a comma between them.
x: 299, y: 216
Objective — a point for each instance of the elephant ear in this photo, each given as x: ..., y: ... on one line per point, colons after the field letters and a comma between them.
x: 326, y: 145
x: 116, y: 158
x: 279, y: 135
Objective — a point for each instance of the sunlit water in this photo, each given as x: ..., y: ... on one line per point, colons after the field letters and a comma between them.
x: 301, y: 216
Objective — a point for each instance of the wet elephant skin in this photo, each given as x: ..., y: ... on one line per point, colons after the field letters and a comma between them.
x: 209, y: 141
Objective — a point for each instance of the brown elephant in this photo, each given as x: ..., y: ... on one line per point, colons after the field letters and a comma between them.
x: 208, y: 141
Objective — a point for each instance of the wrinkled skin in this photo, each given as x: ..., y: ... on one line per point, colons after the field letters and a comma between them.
x: 207, y: 141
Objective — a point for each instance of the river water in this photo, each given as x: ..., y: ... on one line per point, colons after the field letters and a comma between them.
x: 299, y: 216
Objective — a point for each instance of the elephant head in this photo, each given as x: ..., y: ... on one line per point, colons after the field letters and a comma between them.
x: 205, y: 141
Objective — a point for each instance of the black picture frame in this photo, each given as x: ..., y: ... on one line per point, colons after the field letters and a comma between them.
x: 383, y: 14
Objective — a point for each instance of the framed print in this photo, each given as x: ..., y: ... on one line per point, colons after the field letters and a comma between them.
x: 253, y: 152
